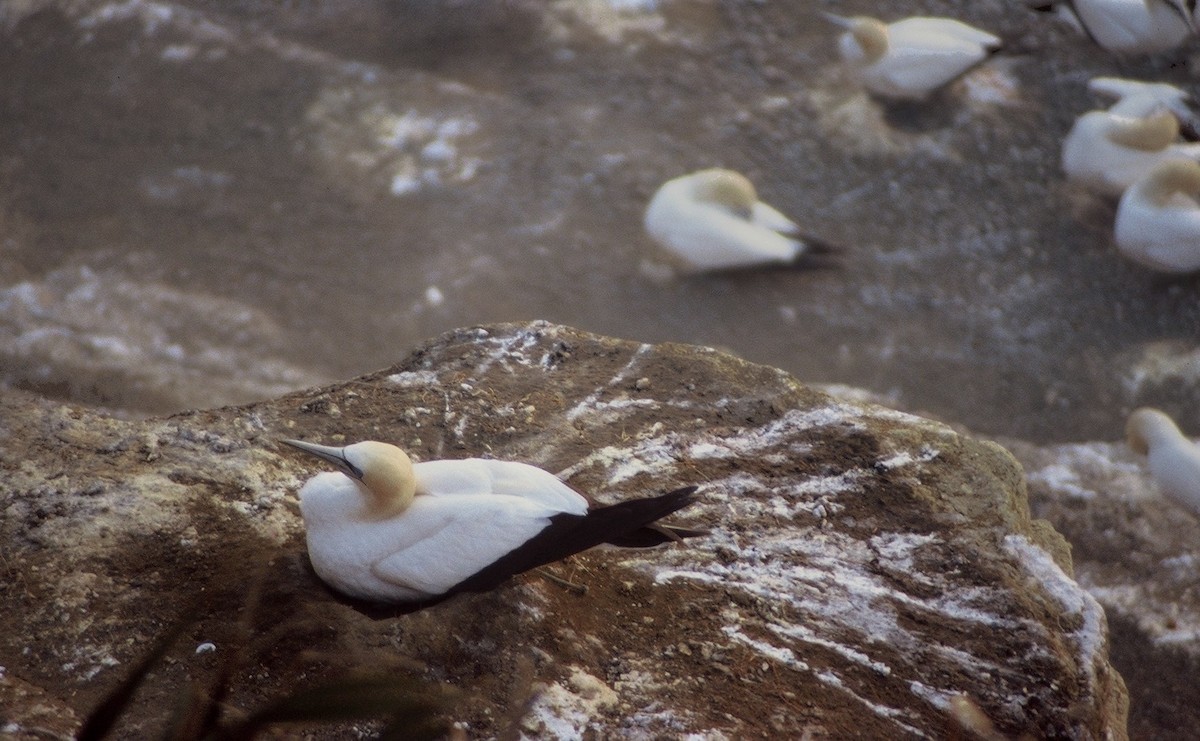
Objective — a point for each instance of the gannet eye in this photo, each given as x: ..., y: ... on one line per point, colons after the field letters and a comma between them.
x: 350, y: 468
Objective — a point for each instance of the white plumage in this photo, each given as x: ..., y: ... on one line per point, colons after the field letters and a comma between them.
x: 1108, y: 152
x: 713, y: 220
x: 386, y: 530
x: 1174, y: 460
x: 913, y: 57
x: 1158, y: 219
x: 1139, y: 98
x: 1126, y: 26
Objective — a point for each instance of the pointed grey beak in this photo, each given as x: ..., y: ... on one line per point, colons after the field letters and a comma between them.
x: 838, y: 20
x: 336, y: 456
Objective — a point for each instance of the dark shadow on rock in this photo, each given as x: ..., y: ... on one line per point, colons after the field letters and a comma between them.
x: 1160, y: 705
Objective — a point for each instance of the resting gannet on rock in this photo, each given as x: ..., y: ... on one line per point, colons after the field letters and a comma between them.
x: 1109, y: 152
x: 911, y: 58
x: 1125, y: 26
x: 1158, y: 219
x: 713, y: 220
x: 386, y: 530
x: 1174, y: 460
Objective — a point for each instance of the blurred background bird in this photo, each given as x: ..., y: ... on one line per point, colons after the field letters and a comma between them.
x: 912, y: 58
x: 1125, y: 26
x: 1158, y: 219
x: 712, y: 220
x: 1174, y: 459
x: 1139, y: 98
x: 1108, y: 152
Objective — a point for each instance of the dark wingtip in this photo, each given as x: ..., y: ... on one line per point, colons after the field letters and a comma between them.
x: 655, y: 533
x: 816, y: 246
x: 826, y: 260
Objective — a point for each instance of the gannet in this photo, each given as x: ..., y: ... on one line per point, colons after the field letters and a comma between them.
x: 385, y: 530
x: 1108, y: 152
x: 1174, y: 460
x: 911, y: 58
x: 1125, y: 26
x: 1158, y: 219
x: 713, y: 220
x: 1137, y: 98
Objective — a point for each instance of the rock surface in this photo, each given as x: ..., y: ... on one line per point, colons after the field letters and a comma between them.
x: 865, y: 567
x: 1137, y: 553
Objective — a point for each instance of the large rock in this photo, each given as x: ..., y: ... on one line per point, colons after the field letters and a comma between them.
x: 865, y: 567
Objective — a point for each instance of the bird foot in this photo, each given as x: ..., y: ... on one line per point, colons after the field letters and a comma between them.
x: 568, y: 585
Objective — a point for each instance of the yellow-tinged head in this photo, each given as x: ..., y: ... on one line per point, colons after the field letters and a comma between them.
x: 871, y: 34
x: 1151, y: 133
x: 384, y: 470
x: 1171, y: 177
x: 1147, y: 426
x: 727, y: 188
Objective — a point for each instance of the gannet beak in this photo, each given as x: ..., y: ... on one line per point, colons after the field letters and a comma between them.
x: 838, y: 20
x: 336, y: 456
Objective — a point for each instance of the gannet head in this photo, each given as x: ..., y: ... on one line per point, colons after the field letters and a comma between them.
x: 1151, y: 133
x: 384, y: 470
x: 1148, y: 426
x: 1169, y: 178
x: 726, y: 188
x: 870, y: 35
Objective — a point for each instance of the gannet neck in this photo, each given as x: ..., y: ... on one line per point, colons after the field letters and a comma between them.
x: 1169, y: 178
x: 871, y: 35
x: 1148, y: 427
x: 727, y: 188
x: 384, y: 472
x: 1151, y: 133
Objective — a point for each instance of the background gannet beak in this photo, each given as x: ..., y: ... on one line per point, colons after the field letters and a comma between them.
x: 329, y: 454
x: 837, y: 20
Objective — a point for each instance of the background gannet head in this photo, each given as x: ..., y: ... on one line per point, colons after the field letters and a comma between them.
x: 866, y: 38
x: 726, y: 188
x: 384, y: 470
x: 1148, y: 426
x: 1169, y: 178
x: 1151, y: 133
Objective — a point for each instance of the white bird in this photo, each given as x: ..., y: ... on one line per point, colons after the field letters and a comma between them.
x: 1140, y: 98
x: 1158, y: 219
x: 385, y: 530
x: 1109, y: 152
x: 911, y: 58
x: 713, y: 220
x: 1125, y: 26
x: 1137, y: 98
x: 1174, y: 460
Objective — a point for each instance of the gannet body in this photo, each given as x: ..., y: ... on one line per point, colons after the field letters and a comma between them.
x: 1109, y: 152
x: 911, y: 58
x: 1174, y: 460
x: 386, y: 530
x: 713, y: 220
x: 1158, y: 219
x: 1125, y: 26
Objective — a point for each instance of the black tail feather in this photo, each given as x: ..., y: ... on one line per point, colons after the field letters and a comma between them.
x: 817, y: 246
x: 570, y: 534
